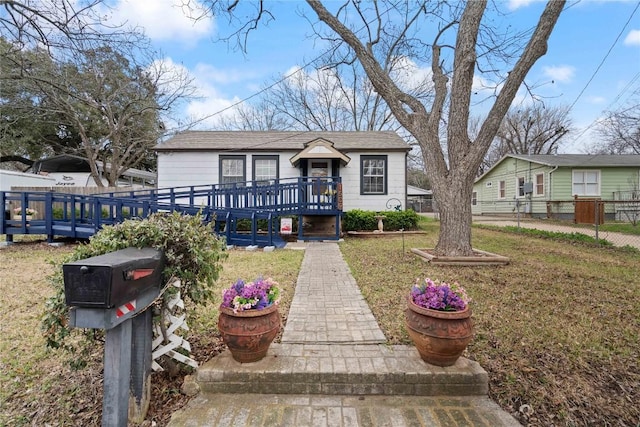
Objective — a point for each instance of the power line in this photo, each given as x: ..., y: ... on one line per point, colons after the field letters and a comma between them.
x: 277, y: 82
x: 608, y: 108
x: 605, y: 57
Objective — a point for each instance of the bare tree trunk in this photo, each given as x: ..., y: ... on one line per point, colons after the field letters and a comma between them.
x: 453, y: 170
x: 453, y: 198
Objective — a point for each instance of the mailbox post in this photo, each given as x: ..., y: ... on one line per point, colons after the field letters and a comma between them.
x: 112, y: 292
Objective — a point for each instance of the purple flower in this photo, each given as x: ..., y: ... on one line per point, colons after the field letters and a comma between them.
x: 238, y: 285
x: 443, y: 296
x: 256, y: 295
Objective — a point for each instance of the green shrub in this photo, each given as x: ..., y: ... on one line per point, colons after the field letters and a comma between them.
x: 59, y: 214
x: 401, y: 220
x: 244, y: 224
x: 359, y: 220
x: 193, y: 253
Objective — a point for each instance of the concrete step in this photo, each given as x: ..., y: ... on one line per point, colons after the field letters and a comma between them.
x: 335, y: 369
x: 317, y: 410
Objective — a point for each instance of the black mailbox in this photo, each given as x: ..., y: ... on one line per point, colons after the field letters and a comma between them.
x: 113, y: 279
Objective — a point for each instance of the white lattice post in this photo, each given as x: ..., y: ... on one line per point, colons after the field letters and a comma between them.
x: 172, y: 324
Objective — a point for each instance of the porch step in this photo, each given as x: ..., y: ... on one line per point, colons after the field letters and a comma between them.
x: 336, y: 369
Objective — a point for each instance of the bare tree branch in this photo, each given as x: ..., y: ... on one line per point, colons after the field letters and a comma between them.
x: 620, y: 130
x: 382, y: 37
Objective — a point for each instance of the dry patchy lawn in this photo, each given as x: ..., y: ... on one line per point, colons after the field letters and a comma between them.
x: 557, y: 329
x: 38, y: 386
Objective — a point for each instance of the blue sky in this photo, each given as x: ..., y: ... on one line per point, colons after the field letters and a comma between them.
x: 589, y: 34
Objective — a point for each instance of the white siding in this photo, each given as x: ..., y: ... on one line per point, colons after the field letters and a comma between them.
x: 396, y: 184
x: 286, y: 168
x: 177, y: 169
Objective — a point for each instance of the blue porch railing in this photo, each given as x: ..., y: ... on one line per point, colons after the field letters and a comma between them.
x: 80, y: 216
x: 291, y: 195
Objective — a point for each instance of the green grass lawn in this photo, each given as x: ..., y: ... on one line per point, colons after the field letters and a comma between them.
x: 621, y: 227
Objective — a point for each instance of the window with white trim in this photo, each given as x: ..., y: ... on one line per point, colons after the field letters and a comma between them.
x: 539, y: 185
x: 265, y: 169
x: 520, y: 186
x: 373, y: 174
x: 232, y: 169
x: 502, y: 190
x: 585, y: 182
x: 474, y: 198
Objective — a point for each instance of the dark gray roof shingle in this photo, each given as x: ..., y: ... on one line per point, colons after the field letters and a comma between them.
x: 582, y: 160
x: 280, y: 141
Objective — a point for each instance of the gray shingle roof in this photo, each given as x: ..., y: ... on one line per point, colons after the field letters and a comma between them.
x: 280, y: 141
x: 582, y: 160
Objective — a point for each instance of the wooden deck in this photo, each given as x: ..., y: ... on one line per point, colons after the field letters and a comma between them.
x: 81, y: 216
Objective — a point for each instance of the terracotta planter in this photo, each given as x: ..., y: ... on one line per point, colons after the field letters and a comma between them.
x: 439, y: 336
x: 19, y: 217
x: 249, y: 333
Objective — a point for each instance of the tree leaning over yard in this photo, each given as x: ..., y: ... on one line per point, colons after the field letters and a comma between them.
x: 29, y: 129
x: 114, y: 103
x: 113, y: 99
x: 452, y: 169
x: 452, y: 173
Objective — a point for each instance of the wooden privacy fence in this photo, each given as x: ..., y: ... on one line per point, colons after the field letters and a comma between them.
x: 588, y: 211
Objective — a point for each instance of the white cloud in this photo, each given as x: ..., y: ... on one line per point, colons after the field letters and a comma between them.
x: 633, y: 38
x: 517, y: 4
x: 410, y: 76
x: 215, y: 92
x: 223, y: 76
x: 293, y: 70
x: 212, y: 105
x: 209, y: 104
x: 484, y: 91
x: 482, y: 85
x: 563, y: 73
x: 163, y: 19
x: 202, y: 111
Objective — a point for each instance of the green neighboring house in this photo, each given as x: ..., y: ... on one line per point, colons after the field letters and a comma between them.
x: 547, y: 186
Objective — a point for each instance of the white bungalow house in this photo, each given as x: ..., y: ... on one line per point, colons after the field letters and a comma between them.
x: 331, y: 172
x: 371, y: 165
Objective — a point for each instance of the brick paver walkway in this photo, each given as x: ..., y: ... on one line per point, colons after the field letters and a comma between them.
x: 327, y: 306
x: 333, y: 369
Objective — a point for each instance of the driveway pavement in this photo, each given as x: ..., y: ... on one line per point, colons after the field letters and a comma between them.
x: 617, y: 239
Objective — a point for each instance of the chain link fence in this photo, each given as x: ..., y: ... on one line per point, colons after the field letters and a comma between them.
x: 617, y: 221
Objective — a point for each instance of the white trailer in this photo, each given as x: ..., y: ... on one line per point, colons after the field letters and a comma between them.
x: 10, y: 179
